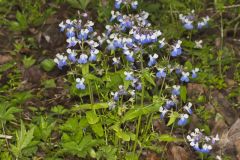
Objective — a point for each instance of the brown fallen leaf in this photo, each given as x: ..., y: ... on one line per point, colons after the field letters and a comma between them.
x: 237, y: 145
x: 229, y: 141
x: 178, y: 153
x: 5, y: 58
x: 224, y: 107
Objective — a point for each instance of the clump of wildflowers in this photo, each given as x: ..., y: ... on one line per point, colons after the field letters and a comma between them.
x: 201, y: 142
x: 132, y: 3
x: 126, y: 41
x: 188, y: 21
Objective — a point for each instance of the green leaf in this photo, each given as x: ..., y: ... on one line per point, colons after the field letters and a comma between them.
x: 107, y: 152
x: 188, y: 65
x: 136, y: 112
x: 148, y: 77
x: 173, y: 117
x: 49, y: 83
x: 183, y: 93
x: 28, y: 61
x: 92, y: 117
x: 48, y: 64
x: 7, y: 66
x: 70, y: 125
x: 169, y: 138
x: 59, y: 109
x: 97, y: 128
x: 23, y: 140
x: 21, y: 24
x: 85, y: 69
x: 90, y: 106
x: 131, y: 156
x: 79, y: 4
x: 7, y: 113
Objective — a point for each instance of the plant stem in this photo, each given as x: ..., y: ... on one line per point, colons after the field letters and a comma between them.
x: 142, y: 104
x: 5, y: 134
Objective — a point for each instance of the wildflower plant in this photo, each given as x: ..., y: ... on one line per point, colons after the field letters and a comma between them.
x: 129, y: 72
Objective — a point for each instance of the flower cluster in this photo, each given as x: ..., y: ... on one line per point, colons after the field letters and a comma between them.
x: 118, y: 3
x: 121, y: 92
x: 78, y: 34
x: 201, y: 142
x: 188, y: 21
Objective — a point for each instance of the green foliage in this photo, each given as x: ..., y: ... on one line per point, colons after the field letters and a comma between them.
x: 7, y: 112
x: 90, y: 129
x: 25, y: 146
x: 79, y: 4
x: 48, y: 64
x: 28, y: 61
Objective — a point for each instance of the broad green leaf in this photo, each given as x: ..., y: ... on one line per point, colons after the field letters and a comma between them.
x: 92, y: 117
x: 49, y: 83
x: 188, y: 65
x: 120, y: 133
x: 123, y: 135
x: 98, y: 129
x: 23, y: 140
x: 85, y: 69
x: 7, y: 66
x: 148, y: 77
x: 139, y: 111
x: 79, y: 4
x: 173, y: 117
x: 131, y: 156
x: 107, y: 152
x: 70, y: 125
x: 169, y: 138
x: 90, y: 106
x: 183, y: 93
x: 48, y: 64
x: 7, y: 113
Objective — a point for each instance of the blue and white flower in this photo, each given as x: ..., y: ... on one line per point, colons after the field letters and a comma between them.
x: 134, y: 4
x: 72, y: 55
x: 70, y: 32
x: 117, y: 4
x: 62, y: 26
x: 162, y: 43
x: 129, y: 55
x: 115, y: 96
x: 188, y: 24
x: 129, y: 76
x: 183, y: 119
x: 194, y: 72
x: 203, y: 23
x: 152, y: 60
x: 72, y: 41
x: 83, y: 59
x: 161, y: 73
x: 200, y: 142
x: 176, y: 90
x: 188, y: 108
x: 116, y: 60
x: 163, y: 111
x: 93, y: 54
x: 80, y: 83
x: 169, y: 104
x: 177, y: 50
x: 61, y: 60
x: 185, y: 77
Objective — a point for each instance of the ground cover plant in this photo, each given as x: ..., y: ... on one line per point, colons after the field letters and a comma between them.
x: 121, y: 79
